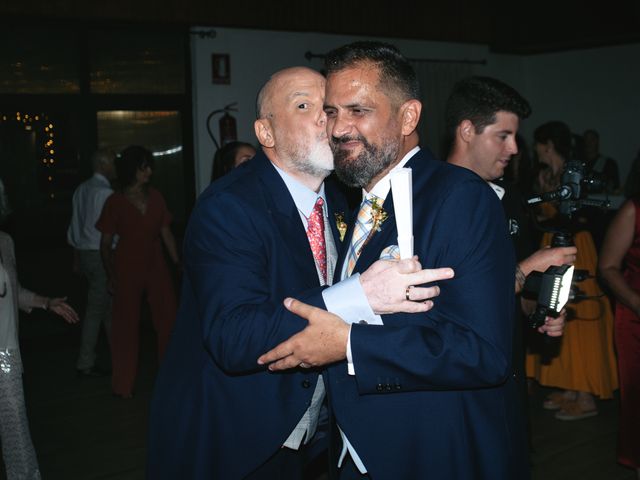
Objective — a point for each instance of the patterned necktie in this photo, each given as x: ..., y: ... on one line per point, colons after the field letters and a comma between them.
x: 361, y: 231
x: 315, y: 234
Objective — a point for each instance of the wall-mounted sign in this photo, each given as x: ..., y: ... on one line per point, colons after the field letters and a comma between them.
x: 220, y: 68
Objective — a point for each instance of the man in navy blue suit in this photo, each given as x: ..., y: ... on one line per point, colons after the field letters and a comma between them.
x: 483, y: 115
x: 425, y: 395
x: 263, y: 232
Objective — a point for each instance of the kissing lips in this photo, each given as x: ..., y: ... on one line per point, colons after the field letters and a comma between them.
x: 350, y: 145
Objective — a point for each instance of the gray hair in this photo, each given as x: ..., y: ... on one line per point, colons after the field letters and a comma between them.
x: 103, y: 156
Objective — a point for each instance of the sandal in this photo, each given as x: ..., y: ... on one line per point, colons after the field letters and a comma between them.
x: 554, y: 401
x: 575, y: 411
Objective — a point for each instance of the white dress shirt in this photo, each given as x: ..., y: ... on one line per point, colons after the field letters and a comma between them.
x: 87, y: 203
x: 498, y: 189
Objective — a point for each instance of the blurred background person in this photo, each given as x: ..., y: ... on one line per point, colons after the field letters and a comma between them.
x: 138, y: 215
x: 605, y: 170
x: 5, y: 208
x: 605, y: 167
x: 619, y: 267
x: 84, y: 237
x: 632, y: 184
x: 582, y: 363
x: 520, y: 170
x: 17, y: 448
x: 229, y: 156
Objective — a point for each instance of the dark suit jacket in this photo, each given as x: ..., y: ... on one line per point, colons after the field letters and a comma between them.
x: 433, y: 396
x: 215, y: 414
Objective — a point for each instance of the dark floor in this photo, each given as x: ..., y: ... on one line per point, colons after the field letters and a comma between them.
x: 81, y: 432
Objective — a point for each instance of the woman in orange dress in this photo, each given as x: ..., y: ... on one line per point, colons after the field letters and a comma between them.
x: 582, y: 363
x: 137, y: 214
x: 620, y: 267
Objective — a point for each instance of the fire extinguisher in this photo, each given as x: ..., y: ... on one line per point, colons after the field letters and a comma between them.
x: 228, y: 130
x: 227, y: 125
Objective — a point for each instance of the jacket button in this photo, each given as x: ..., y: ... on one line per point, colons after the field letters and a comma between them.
x: 379, y: 387
x: 388, y: 387
x: 398, y: 386
x: 306, y: 383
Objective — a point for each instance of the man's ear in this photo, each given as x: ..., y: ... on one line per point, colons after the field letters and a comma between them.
x: 410, y: 115
x: 466, y: 130
x: 264, y: 132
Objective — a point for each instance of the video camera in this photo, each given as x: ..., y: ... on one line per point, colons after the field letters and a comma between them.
x: 553, y: 288
x: 575, y: 184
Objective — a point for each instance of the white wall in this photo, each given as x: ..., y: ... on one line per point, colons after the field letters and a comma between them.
x: 254, y: 55
x: 595, y: 88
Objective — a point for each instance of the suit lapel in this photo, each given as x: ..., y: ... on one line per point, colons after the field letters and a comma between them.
x: 336, y: 205
x: 286, y: 219
x: 388, y: 234
x: 343, y: 251
x: 380, y: 239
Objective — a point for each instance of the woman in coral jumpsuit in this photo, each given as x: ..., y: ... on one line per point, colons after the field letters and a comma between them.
x: 138, y: 216
x: 620, y: 267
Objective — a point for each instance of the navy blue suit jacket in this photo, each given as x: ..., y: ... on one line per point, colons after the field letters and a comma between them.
x: 215, y: 414
x: 433, y: 395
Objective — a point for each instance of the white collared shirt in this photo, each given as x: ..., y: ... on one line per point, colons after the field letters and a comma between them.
x: 497, y: 189
x: 87, y: 203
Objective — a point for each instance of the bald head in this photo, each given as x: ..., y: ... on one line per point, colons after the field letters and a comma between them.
x: 102, y: 161
x: 291, y: 124
x: 264, y: 102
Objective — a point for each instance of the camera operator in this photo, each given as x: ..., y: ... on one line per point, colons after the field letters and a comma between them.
x: 584, y: 365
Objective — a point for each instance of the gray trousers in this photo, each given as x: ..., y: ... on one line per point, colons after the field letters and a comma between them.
x: 18, y: 453
x: 98, y: 310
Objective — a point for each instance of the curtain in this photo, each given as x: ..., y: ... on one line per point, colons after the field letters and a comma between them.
x: 436, y: 82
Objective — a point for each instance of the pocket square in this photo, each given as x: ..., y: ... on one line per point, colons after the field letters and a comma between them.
x: 392, y: 252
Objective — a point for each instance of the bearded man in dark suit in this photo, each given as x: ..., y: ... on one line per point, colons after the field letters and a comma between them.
x: 422, y: 395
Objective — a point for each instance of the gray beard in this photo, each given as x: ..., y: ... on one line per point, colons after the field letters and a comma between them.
x: 311, y: 162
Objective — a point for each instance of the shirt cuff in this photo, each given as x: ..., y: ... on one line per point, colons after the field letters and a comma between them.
x: 347, y: 300
x: 351, y: 369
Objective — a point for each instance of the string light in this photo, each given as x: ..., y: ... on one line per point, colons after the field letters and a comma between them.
x: 38, y: 122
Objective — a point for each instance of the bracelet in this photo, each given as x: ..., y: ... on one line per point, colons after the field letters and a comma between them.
x: 520, y: 278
